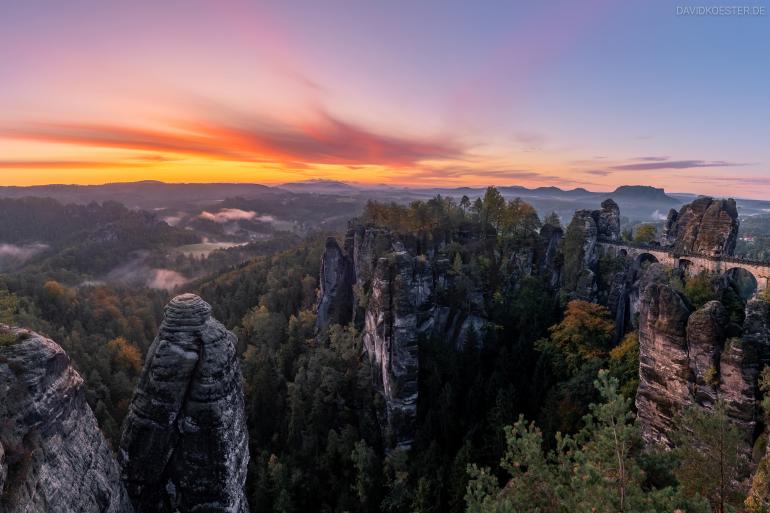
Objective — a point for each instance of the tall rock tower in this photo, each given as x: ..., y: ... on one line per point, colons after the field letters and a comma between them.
x: 185, y: 445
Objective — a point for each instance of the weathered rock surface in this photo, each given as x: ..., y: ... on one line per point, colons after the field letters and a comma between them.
x: 53, y: 456
x: 581, y: 256
x: 706, y: 227
x: 685, y: 359
x: 184, y: 446
x: 550, y: 257
x: 608, y: 220
x: 335, y: 293
x: 398, y: 281
x: 705, y: 340
x: 399, y: 312
x: 664, y: 368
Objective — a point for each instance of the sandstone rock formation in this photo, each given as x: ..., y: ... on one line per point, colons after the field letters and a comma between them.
x: 664, y: 367
x: 390, y: 282
x: 608, y: 220
x: 53, y: 456
x: 335, y: 294
x: 685, y: 359
x: 706, y: 226
x: 184, y: 446
x: 550, y: 256
x: 581, y: 255
x: 399, y: 311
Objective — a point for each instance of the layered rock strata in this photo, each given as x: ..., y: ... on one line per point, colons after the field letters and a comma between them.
x: 686, y: 359
x: 399, y: 312
x: 53, y: 456
x: 336, y: 280
x: 184, y: 445
x: 706, y: 226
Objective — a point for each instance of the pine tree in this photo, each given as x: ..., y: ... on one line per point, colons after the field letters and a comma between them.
x: 713, y: 457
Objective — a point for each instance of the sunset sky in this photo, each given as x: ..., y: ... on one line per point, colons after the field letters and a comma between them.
x: 589, y: 94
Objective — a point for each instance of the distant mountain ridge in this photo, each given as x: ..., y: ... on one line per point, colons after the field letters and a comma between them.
x: 639, y: 202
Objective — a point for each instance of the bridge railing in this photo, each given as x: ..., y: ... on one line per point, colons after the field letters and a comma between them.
x: 677, y: 254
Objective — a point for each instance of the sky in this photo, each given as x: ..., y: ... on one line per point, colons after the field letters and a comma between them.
x: 594, y: 94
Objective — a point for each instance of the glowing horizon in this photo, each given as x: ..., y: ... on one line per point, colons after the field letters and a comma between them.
x: 435, y: 94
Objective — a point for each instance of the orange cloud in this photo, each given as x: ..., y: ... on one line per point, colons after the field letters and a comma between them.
x: 326, y: 140
x: 65, y: 164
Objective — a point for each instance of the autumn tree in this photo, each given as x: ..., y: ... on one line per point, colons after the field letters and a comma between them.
x: 645, y: 233
x: 584, y: 334
x: 493, y: 207
x: 519, y: 219
x: 125, y: 355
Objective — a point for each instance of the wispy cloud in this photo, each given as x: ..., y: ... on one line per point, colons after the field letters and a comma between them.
x: 675, y: 164
x: 66, y: 164
x: 652, y: 159
x: 487, y: 175
x: 324, y: 140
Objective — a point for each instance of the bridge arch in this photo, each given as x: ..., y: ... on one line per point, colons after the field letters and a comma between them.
x: 643, y: 259
x: 746, y: 284
x: 686, y: 265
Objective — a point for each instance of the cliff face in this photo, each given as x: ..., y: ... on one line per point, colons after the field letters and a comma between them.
x: 184, y: 446
x: 336, y: 280
x: 392, y: 283
x: 705, y: 226
x: 664, y: 370
x: 52, y: 455
x: 399, y: 312
x: 685, y: 359
x: 581, y: 256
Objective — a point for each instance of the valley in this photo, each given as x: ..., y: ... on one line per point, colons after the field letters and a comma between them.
x: 393, y: 362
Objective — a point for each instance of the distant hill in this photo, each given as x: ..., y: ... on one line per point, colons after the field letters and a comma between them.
x: 642, y: 192
x: 637, y: 202
x: 146, y: 194
x: 320, y: 187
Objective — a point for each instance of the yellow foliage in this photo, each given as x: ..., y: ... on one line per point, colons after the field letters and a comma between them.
x: 124, y: 352
x: 628, y: 345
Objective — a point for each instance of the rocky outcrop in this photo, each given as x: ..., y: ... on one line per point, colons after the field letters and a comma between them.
x: 369, y: 243
x: 705, y: 340
x: 52, y: 455
x: 184, y: 446
x: 664, y: 367
x: 335, y: 293
x: 705, y: 227
x: 608, y: 220
x: 551, y: 257
x: 581, y: 256
x: 685, y: 358
x: 399, y: 312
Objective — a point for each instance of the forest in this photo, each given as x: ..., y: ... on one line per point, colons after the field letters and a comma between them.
x: 536, y: 414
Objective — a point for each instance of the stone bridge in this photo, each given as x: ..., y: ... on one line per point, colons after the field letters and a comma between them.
x: 692, y: 264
